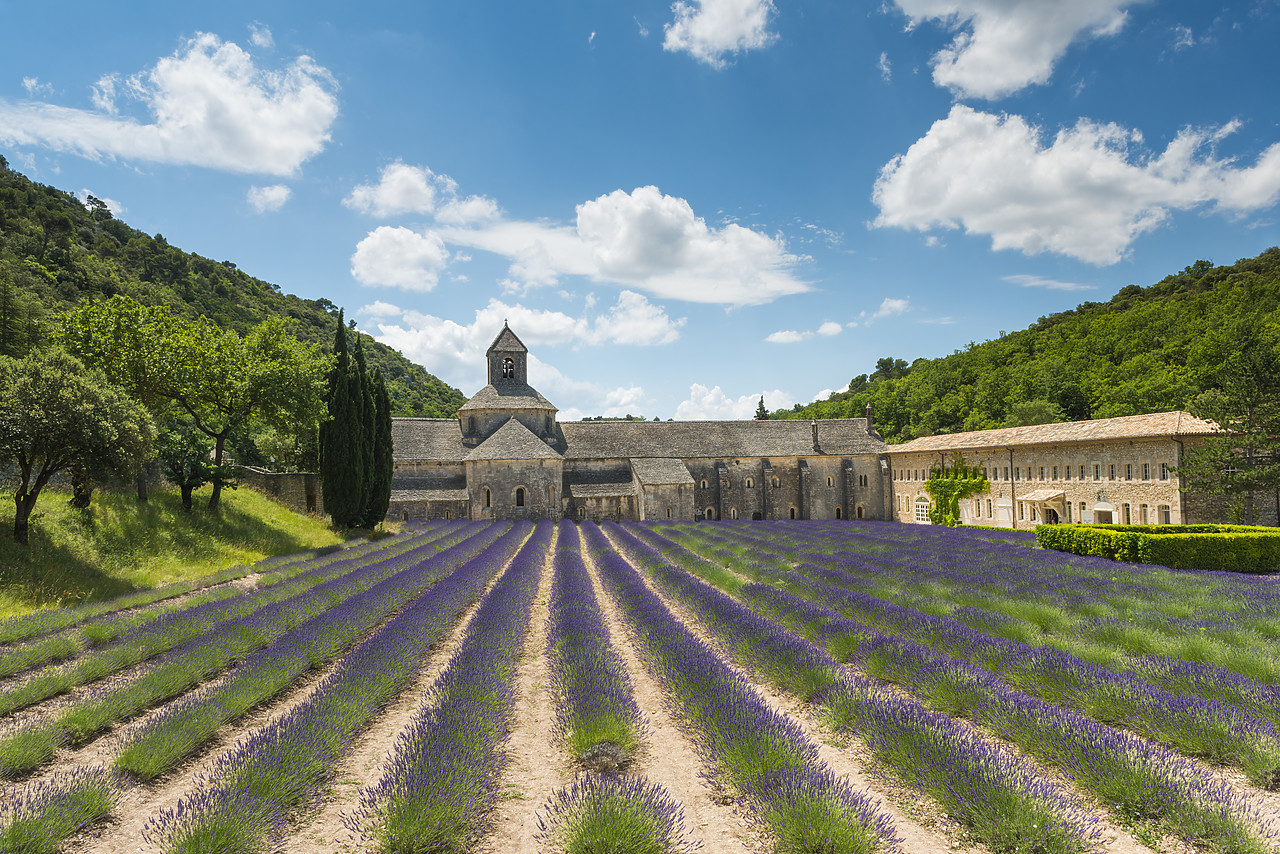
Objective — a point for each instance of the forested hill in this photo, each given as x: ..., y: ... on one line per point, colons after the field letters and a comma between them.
x: 1151, y: 349
x: 55, y: 252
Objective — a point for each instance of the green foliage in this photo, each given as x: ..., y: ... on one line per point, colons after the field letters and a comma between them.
x: 383, y: 453
x: 55, y: 417
x: 1227, y: 548
x: 1152, y: 349
x: 949, y: 485
x: 762, y: 414
x: 342, y: 472
x: 51, y: 267
x: 184, y: 458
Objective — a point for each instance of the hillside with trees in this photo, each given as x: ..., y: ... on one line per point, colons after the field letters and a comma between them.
x: 1148, y: 349
x: 56, y: 252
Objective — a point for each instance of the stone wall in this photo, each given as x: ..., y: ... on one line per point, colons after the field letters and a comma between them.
x: 298, y: 491
x: 524, y: 489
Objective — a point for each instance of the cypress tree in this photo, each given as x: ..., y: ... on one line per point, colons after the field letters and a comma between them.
x: 362, y: 397
x: 341, y: 469
x: 383, y: 463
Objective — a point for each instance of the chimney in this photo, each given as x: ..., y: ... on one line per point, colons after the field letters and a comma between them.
x: 814, y: 425
x: 870, y: 426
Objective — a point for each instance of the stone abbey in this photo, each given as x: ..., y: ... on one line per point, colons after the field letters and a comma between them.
x: 506, y: 456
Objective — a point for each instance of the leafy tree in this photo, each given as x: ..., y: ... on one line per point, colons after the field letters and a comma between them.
x: 55, y: 415
x: 216, y: 378
x: 762, y: 414
x: 368, y: 417
x: 184, y: 455
x: 1245, y: 459
x: 383, y: 457
x: 1030, y: 412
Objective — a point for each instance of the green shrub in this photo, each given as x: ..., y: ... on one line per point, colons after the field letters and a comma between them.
x: 1230, y: 548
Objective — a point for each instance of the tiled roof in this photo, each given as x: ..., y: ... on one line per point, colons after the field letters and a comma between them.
x: 715, y: 439
x: 507, y: 341
x: 1099, y: 430
x: 511, y: 395
x: 427, y: 440
x: 404, y: 495
x: 661, y: 471
x: 512, y: 441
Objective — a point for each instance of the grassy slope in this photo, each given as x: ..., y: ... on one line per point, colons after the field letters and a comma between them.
x: 119, y: 545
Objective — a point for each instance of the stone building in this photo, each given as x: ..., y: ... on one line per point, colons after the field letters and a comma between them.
x: 1109, y: 470
x: 506, y: 456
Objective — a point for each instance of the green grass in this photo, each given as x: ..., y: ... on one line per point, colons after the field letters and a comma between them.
x: 119, y: 545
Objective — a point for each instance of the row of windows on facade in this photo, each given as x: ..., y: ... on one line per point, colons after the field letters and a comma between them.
x: 1112, y: 472
x: 1028, y: 509
x: 750, y: 482
x: 710, y: 513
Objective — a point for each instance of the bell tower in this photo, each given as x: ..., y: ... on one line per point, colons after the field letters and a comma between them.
x: 508, y: 360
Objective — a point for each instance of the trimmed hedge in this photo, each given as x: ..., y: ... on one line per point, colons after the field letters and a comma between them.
x: 1230, y: 548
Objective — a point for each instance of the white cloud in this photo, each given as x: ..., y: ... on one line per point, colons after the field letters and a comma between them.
x: 404, y: 189
x: 379, y: 310
x: 786, y: 336
x: 34, y: 87
x: 708, y: 30
x: 268, y: 199
x: 827, y: 392
x: 1183, y: 38
x: 1002, y: 46
x: 886, y: 69
x: 1088, y: 194
x: 891, y: 306
x: 209, y: 104
x: 712, y: 404
x: 1027, y: 281
x: 830, y: 328
x: 644, y: 31
x: 633, y: 320
x: 397, y: 257
x: 260, y: 35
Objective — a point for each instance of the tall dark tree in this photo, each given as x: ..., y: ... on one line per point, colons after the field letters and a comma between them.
x: 762, y: 414
x: 341, y: 465
x: 1242, y: 464
x: 383, y: 462
x: 362, y: 390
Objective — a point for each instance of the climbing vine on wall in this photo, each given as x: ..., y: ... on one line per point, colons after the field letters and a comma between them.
x: 948, y: 485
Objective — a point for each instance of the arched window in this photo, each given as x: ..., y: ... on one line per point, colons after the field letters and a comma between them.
x: 776, y: 483
x: 488, y: 497
x: 551, y: 494
x: 519, y: 496
x: 704, y: 483
x: 733, y: 512
x: 582, y: 512
x: 668, y: 512
x: 793, y: 512
x: 922, y: 510
x: 711, y: 513
x: 508, y: 369
x: 751, y: 482
x: 448, y: 514
x: 859, y: 514
x: 404, y: 515
x: 838, y: 513
x: 831, y: 481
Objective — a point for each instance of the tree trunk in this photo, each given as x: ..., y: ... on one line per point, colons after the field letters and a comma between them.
x: 186, y: 497
x: 141, y: 484
x: 81, y: 491
x: 23, y: 502
x: 216, y: 494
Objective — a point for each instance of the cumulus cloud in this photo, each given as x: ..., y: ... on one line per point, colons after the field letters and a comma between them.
x: 1028, y: 281
x: 395, y: 257
x: 830, y: 328
x: 260, y: 35
x: 1002, y: 46
x: 34, y: 87
x: 646, y: 241
x: 890, y: 306
x: 786, y: 336
x: 406, y: 189
x: 1087, y: 194
x: 712, y: 404
x: 209, y: 105
x: 711, y: 30
x: 268, y: 199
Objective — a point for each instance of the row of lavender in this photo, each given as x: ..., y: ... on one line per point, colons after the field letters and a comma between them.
x: 313, y: 627
x: 1141, y: 781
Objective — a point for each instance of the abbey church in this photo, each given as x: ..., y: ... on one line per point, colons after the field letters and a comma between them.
x: 506, y: 456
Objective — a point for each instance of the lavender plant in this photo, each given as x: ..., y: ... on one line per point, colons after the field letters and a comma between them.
x: 605, y: 814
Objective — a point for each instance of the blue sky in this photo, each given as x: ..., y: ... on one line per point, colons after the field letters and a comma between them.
x: 679, y: 207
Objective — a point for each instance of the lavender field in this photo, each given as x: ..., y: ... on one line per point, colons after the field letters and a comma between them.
x: 726, y: 687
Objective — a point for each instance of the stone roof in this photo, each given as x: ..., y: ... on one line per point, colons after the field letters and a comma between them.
x: 512, y: 441
x: 427, y: 440
x: 511, y: 395
x: 404, y: 495
x: 654, y: 472
x: 599, y: 490
x: 1098, y: 430
x: 715, y: 439
x: 507, y: 341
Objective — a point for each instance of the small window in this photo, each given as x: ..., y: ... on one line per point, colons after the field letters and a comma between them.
x: 1082, y: 511
x: 1055, y: 472
x: 488, y: 497
x: 551, y: 494
x: 1097, y: 471
x: 519, y: 496
x: 1162, y: 514
x: 1128, y: 471
x: 1006, y: 472
x: 1142, y: 515
x: 508, y: 369
x: 1082, y: 472
x: 1022, y: 510
x: 582, y: 512
x: 831, y: 481
x: 988, y: 508
x: 404, y: 515
x: 1164, y: 471
x: 1033, y: 513
x: 1146, y: 471
x: 859, y: 511
x: 793, y: 512
x: 704, y: 483
x: 751, y: 482
x: 448, y: 514
x: 1111, y: 472
x: 1017, y: 472
x: 733, y: 512
x: 1128, y: 515
x: 1068, y: 511
x: 1066, y: 471
x: 922, y: 510
x: 838, y: 513
x: 1042, y: 472
x: 668, y: 512
x: 776, y: 483
x: 711, y: 513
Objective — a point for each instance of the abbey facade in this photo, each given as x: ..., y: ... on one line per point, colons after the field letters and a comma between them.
x: 506, y: 456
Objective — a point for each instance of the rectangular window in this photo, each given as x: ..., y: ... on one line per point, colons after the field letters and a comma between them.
x: 1066, y: 472
x: 1042, y: 472
x: 1082, y: 472
x: 1022, y: 509
x: 1097, y: 471
x: 1017, y: 472
x: 1128, y: 471
x: 1055, y: 472
x: 1164, y: 514
x: 1082, y: 511
x: 1127, y: 518
x: 1033, y: 513
x: 1006, y: 472
x: 988, y: 508
x: 1111, y: 472
x: 1143, y: 515
x: 1068, y: 511
x: 1146, y: 471
x: 1164, y: 471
